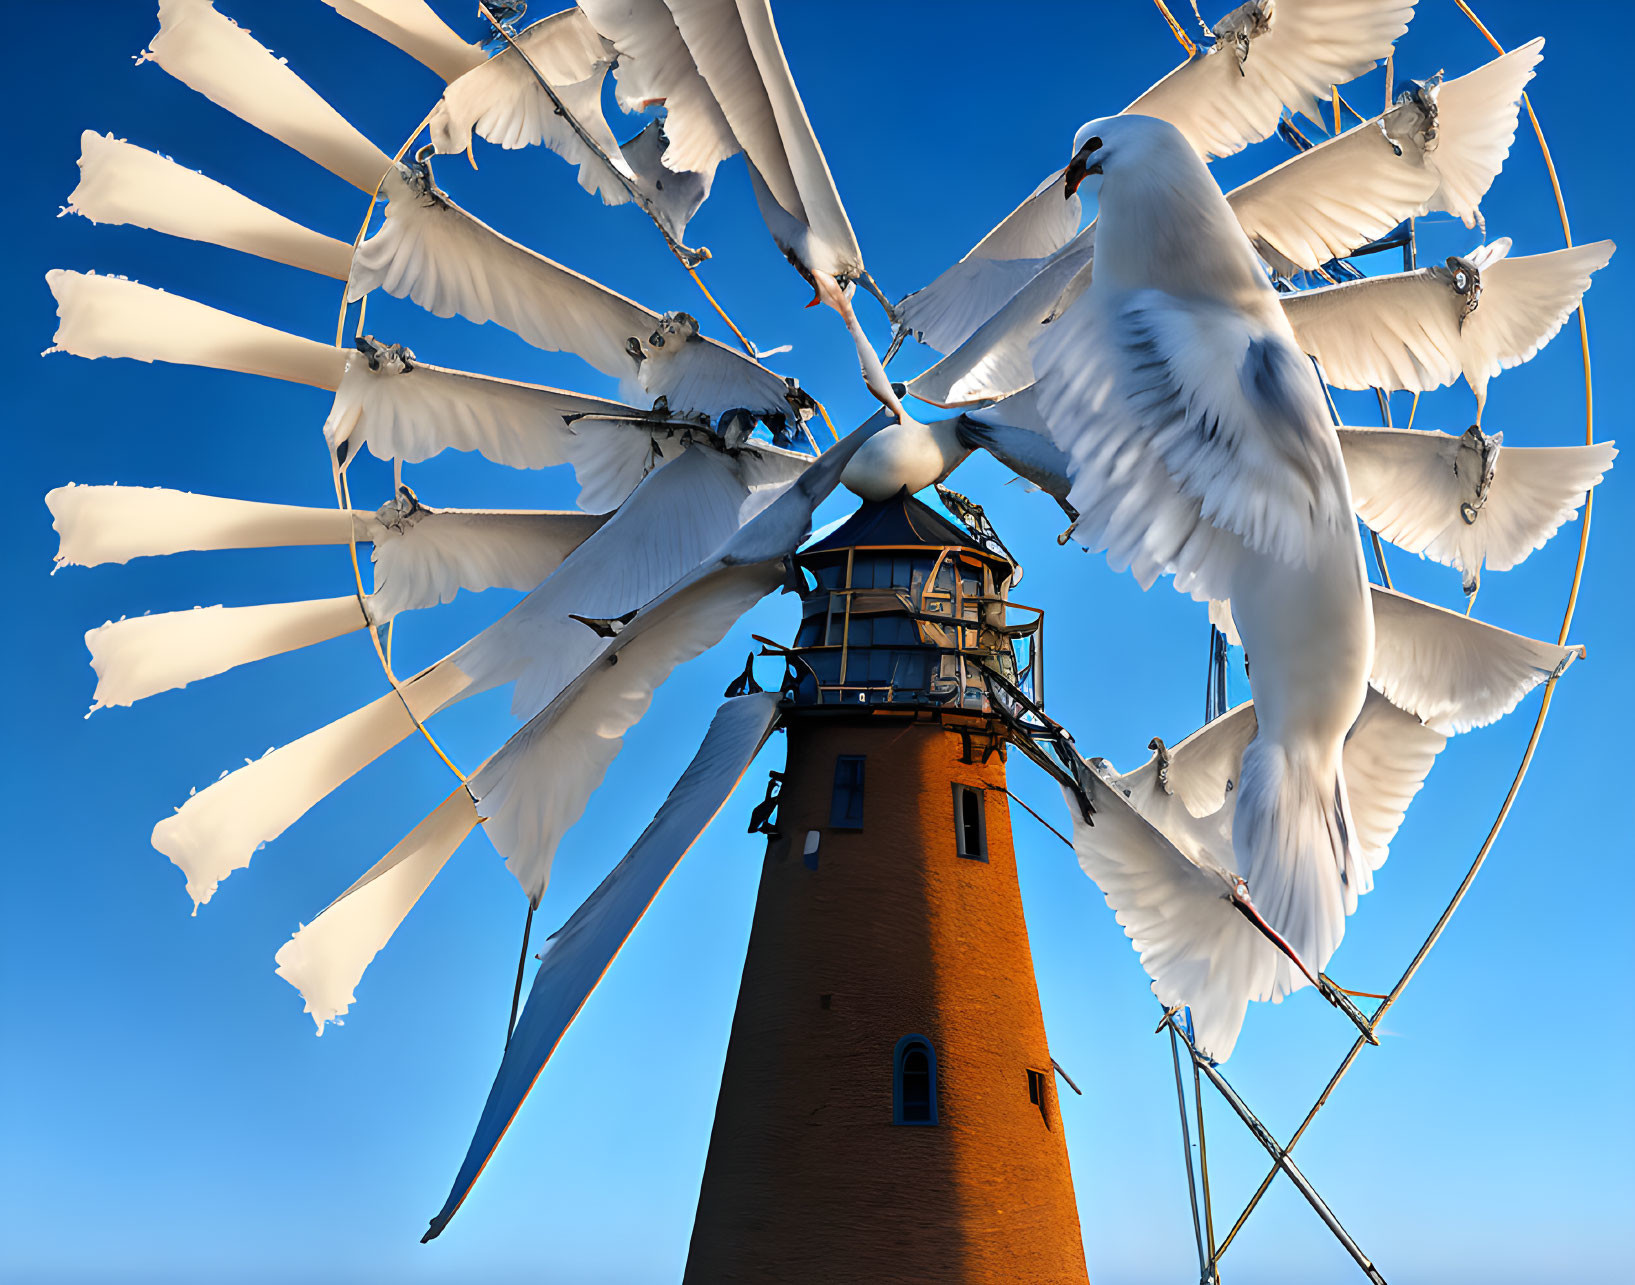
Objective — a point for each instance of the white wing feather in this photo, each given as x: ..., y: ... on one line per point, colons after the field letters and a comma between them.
x: 1452, y: 672
x: 1167, y: 871
x: 946, y: 312
x: 1408, y: 485
x: 1348, y: 191
x: 1403, y: 331
x: 537, y: 785
x: 1174, y: 907
x: 995, y: 360
x: 1295, y: 53
x: 119, y: 183
x: 437, y: 552
x: 449, y: 263
x: 503, y: 101
x: 218, y: 829
x: 655, y: 66
x: 210, y: 53
x: 1191, y: 434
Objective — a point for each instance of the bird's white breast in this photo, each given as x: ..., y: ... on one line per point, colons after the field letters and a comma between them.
x: 904, y: 454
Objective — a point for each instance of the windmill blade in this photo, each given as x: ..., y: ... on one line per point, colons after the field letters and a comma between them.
x: 100, y: 524
x: 449, y: 263
x: 996, y: 361
x: 673, y: 196
x: 1437, y: 149
x: 1015, y: 434
x: 1267, y: 57
x: 670, y: 524
x: 503, y: 101
x: 1467, y: 501
x: 537, y: 785
x: 210, y: 53
x: 416, y: 30
x: 1388, y: 754
x: 1480, y: 110
x: 141, y: 656
x: 579, y: 953
x: 113, y: 317
x: 1419, y: 330
x: 736, y: 49
x: 673, y: 522
x: 424, y: 556
x: 1198, y: 773
x: 218, y: 829
x: 945, y: 313
x: 1452, y: 672
x: 1174, y: 905
x: 1168, y: 871
x: 406, y: 409
x: 123, y: 184
x: 655, y: 66
x: 325, y: 960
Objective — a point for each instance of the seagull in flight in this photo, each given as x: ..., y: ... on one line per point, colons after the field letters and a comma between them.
x: 1199, y: 445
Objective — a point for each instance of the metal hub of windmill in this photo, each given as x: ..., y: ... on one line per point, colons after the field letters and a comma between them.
x: 1170, y: 371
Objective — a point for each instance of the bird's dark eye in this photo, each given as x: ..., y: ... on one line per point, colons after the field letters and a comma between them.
x: 1094, y: 144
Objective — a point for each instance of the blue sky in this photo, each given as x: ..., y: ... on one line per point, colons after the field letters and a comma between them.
x: 168, y: 1115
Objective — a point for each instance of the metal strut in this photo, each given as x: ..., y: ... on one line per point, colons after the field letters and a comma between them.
x: 1280, y: 1155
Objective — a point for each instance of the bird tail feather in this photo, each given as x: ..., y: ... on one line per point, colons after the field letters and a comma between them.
x: 1292, y: 832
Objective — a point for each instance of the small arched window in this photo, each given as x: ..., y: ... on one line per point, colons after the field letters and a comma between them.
x: 914, y: 1082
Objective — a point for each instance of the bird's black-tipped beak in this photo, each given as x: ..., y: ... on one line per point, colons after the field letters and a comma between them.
x: 1081, y: 166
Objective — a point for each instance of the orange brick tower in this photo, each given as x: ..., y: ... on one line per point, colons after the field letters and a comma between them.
x: 888, y: 1108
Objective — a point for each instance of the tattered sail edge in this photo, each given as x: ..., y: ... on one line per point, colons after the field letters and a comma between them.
x: 212, y: 55
x: 325, y: 960
x: 121, y: 183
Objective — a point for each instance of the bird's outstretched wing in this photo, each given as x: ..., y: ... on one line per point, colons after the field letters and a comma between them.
x: 1452, y: 672
x: 449, y: 263
x: 655, y: 66
x: 1420, y: 330
x: 1428, y: 493
x: 1168, y: 871
x: 1267, y: 57
x: 537, y: 785
x: 945, y: 313
x: 1014, y: 433
x: 1439, y: 152
x: 1192, y: 435
x: 736, y: 50
x: 996, y: 359
x: 425, y: 556
x: 579, y: 953
x: 502, y: 101
x: 677, y: 518
x: 1174, y: 905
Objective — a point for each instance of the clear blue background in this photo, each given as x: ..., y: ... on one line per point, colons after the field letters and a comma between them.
x: 168, y: 1115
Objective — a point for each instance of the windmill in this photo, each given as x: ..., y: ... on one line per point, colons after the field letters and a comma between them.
x: 680, y: 444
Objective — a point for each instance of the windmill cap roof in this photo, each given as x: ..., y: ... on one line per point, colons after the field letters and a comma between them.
x: 901, y: 520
